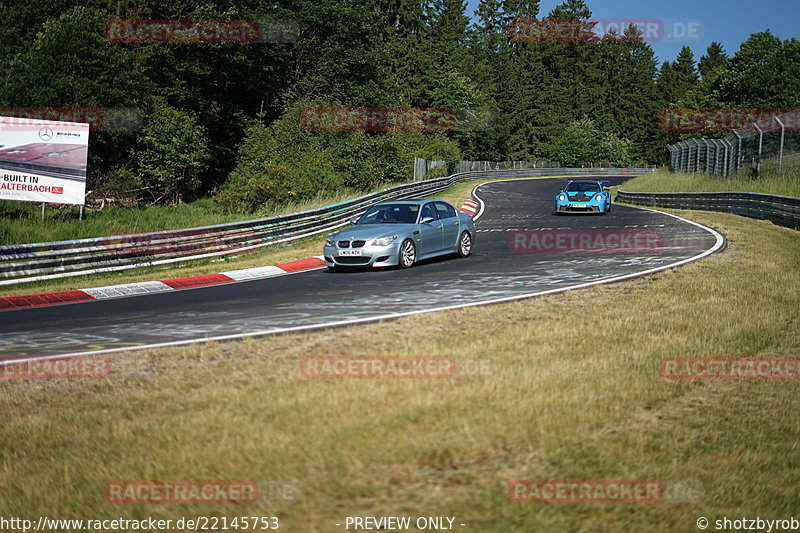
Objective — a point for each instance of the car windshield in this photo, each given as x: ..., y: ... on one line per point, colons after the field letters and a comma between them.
x: 390, y: 214
x: 581, y: 186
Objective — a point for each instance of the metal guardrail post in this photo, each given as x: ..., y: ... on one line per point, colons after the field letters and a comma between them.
x: 738, y: 151
x: 726, y: 164
x: 696, y: 145
x: 760, y: 141
x: 780, y: 156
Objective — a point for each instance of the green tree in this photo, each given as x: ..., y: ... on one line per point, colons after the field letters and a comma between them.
x: 713, y: 61
x: 582, y: 143
x: 761, y: 73
x: 572, y: 80
x: 631, y: 110
x: 172, y: 153
x: 69, y: 64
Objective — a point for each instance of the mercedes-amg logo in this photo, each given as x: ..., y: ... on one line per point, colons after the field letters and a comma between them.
x: 45, y: 134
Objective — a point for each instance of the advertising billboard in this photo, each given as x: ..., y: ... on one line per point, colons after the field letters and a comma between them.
x: 43, y: 160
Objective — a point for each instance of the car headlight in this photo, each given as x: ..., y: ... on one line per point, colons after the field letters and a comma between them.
x: 329, y: 241
x: 384, y: 241
x: 599, y: 197
x: 562, y: 197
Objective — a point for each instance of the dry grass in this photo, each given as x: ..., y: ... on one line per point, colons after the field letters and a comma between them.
x: 575, y: 394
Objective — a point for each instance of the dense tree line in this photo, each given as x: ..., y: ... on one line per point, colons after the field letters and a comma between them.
x: 224, y: 118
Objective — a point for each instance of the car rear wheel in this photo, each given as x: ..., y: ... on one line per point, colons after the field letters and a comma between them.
x: 408, y: 254
x: 465, y: 244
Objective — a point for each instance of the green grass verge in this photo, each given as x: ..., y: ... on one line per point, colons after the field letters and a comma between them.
x: 770, y: 182
x: 558, y: 405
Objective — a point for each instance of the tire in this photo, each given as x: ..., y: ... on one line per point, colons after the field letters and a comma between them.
x: 334, y: 269
x: 464, y: 244
x: 407, y: 255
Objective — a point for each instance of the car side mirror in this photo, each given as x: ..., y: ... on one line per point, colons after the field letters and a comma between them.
x: 354, y: 221
x: 426, y: 220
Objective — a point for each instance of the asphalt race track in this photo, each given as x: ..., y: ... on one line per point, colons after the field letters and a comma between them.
x: 505, y: 264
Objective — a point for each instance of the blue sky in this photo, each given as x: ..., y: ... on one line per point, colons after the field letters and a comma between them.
x: 728, y: 21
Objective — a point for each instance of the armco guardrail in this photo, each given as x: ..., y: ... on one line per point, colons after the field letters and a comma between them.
x: 783, y: 210
x: 22, y: 263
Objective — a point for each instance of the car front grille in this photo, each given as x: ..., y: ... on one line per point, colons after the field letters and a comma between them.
x: 348, y: 260
x: 351, y: 244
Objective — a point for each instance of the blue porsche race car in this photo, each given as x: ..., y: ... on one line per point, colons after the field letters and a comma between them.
x: 583, y: 196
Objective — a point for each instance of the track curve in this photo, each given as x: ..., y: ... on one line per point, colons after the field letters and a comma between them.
x: 496, y: 272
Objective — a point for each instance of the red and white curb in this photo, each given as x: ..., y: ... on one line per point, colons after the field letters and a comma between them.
x: 154, y: 287
x: 470, y: 206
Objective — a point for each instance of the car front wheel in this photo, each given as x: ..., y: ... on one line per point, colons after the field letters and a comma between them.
x: 408, y: 254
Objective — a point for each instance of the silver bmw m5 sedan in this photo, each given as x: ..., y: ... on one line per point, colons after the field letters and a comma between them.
x: 401, y: 233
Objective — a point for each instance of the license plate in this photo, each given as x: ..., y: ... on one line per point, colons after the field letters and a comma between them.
x: 349, y: 252
x: 582, y: 206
